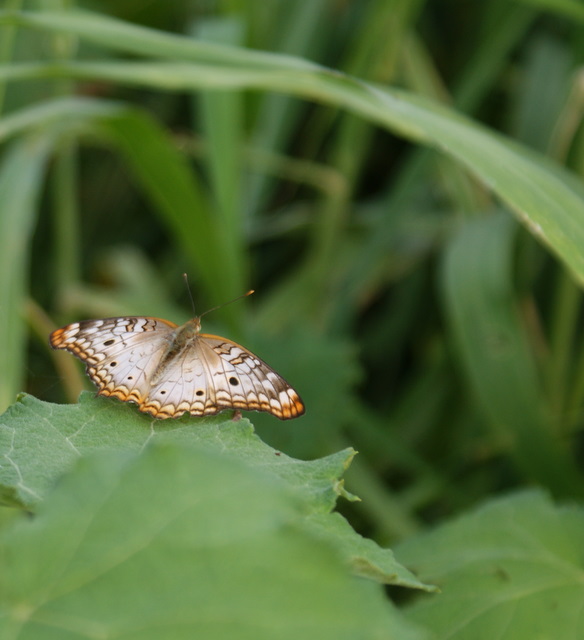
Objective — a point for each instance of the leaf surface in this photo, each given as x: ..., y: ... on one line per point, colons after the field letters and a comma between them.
x: 512, y: 569
x: 176, y: 543
x: 39, y: 441
x: 547, y: 199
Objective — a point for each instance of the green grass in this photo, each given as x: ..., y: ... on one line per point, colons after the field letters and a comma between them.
x: 401, y: 184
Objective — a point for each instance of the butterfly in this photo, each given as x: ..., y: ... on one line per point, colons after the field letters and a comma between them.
x: 169, y: 370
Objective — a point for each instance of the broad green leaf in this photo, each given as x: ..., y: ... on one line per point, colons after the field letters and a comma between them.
x: 179, y: 543
x: 39, y: 441
x: 546, y: 198
x: 365, y: 557
x: 512, y: 570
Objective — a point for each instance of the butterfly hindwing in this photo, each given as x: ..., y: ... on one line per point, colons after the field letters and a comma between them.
x: 251, y: 382
x: 215, y: 374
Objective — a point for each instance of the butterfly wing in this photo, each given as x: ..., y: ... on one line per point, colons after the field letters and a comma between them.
x: 121, y: 354
x: 214, y: 374
x: 148, y: 361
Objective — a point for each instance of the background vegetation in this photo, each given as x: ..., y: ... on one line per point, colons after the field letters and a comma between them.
x: 400, y: 181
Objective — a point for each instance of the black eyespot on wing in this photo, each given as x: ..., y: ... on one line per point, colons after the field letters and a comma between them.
x: 113, y: 363
x: 130, y: 378
x: 109, y: 342
x: 162, y: 392
x: 233, y: 381
x: 199, y: 392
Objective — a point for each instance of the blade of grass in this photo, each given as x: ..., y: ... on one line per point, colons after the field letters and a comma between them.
x: 373, y: 57
x: 504, y: 28
x: 68, y: 371
x: 21, y: 179
x: 7, y: 45
x: 161, y: 170
x: 180, y: 200
x: 122, y: 36
x: 494, y: 351
x: 565, y: 311
x: 66, y: 215
x: 302, y: 29
x: 221, y: 119
x: 544, y: 88
x: 546, y: 199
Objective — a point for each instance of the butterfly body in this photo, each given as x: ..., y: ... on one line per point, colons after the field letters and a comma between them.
x: 169, y: 370
x: 181, y: 339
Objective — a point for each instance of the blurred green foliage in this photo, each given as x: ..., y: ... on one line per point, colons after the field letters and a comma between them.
x: 415, y: 271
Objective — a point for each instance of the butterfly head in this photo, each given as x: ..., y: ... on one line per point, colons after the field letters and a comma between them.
x: 189, y: 330
x: 195, y: 324
x: 192, y: 327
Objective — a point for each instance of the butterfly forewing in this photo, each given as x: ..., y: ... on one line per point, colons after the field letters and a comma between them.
x: 121, y: 354
x: 168, y: 370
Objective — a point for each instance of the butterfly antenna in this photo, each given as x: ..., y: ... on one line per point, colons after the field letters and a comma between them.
x: 186, y: 279
x: 244, y: 295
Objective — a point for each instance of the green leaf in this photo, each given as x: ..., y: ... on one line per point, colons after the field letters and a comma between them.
x: 21, y: 173
x: 39, y: 441
x: 365, y: 557
x: 119, y: 35
x: 495, y: 352
x: 179, y: 543
x: 548, y: 200
x: 160, y: 169
x: 571, y: 9
x: 511, y: 569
